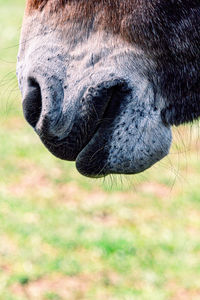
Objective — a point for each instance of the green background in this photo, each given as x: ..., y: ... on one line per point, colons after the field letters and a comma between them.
x: 63, y: 236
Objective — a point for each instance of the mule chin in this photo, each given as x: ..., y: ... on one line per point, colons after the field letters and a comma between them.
x: 129, y: 143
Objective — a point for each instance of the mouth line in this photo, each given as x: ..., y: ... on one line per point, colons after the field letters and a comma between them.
x: 60, y: 144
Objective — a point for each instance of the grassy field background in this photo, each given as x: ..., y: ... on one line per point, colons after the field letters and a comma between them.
x: 63, y: 236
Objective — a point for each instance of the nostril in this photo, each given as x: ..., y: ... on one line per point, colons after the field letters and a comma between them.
x: 32, y: 103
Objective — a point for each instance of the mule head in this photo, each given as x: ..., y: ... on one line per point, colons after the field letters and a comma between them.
x: 103, y: 81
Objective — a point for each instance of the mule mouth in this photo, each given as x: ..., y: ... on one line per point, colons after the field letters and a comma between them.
x: 123, y: 134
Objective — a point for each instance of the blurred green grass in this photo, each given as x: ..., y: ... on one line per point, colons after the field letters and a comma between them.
x: 63, y: 236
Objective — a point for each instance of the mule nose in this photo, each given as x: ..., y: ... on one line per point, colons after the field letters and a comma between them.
x: 32, y: 103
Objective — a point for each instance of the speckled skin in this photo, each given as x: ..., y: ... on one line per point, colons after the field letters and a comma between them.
x: 92, y: 96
